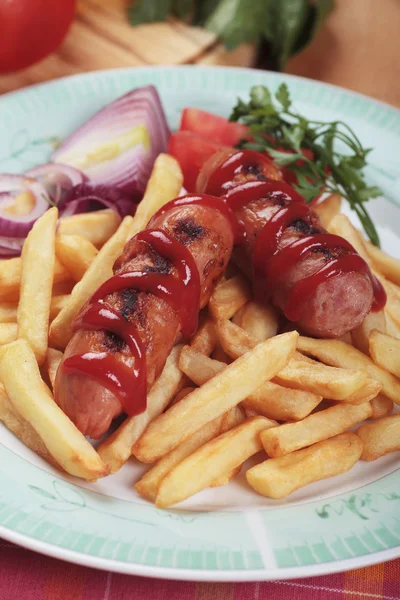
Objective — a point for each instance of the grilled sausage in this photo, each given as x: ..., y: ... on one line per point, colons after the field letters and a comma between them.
x: 208, y: 236
x: 338, y: 304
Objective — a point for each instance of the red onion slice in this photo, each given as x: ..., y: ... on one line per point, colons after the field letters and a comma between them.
x: 87, y: 197
x: 10, y: 247
x: 109, y: 149
x: 18, y: 226
x: 58, y: 180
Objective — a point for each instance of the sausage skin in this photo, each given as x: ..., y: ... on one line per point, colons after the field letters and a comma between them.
x: 209, y: 238
x: 339, y: 304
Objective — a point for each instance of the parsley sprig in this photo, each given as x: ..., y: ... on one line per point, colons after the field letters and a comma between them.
x: 338, y: 155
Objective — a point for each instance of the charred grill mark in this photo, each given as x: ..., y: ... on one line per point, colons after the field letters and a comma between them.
x: 113, y: 342
x: 161, y: 264
x: 187, y: 231
x: 331, y: 253
x: 304, y: 227
x: 256, y: 171
x: 128, y: 302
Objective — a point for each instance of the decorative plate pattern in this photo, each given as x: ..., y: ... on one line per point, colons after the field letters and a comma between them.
x: 226, y: 534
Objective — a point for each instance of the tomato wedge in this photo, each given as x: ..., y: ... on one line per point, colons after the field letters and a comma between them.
x: 213, y: 127
x: 191, y: 151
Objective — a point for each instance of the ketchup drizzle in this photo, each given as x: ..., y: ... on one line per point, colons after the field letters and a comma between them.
x: 181, y: 291
x: 270, y: 263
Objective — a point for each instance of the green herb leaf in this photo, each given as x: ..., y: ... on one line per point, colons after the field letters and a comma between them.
x: 283, y: 96
x: 338, y: 158
x: 235, y: 22
x: 148, y: 11
x: 369, y: 192
x: 260, y: 96
x: 290, y: 17
x: 283, y: 158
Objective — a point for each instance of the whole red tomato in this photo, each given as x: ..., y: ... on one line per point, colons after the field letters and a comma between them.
x: 31, y: 29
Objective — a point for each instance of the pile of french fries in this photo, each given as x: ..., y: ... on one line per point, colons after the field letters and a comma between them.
x: 245, y: 385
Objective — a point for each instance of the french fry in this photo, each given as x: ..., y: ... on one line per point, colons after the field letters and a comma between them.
x: 270, y: 399
x: 232, y: 417
x: 259, y: 321
x: 228, y: 297
x: 341, y: 225
x: 205, y: 339
x: 384, y: 263
x: 224, y: 479
x: 360, y: 335
x: 328, y: 209
x: 57, y: 304
x: 232, y: 385
x: 38, y: 256
x: 392, y: 307
x: 385, y: 351
x: 165, y: 184
x: 213, y: 460
x: 53, y: 359
x: 8, y: 312
x: 97, y: 227
x: 220, y: 355
x: 335, y: 384
x: 76, y: 253
x: 392, y: 328
x: 314, y: 428
x: 279, y: 477
x: 331, y: 383
x: 199, y: 367
x: 380, y: 437
x: 149, y: 484
x: 21, y: 428
x: 283, y: 404
x: 381, y: 406
x: 99, y: 271
x: 369, y: 390
x: 8, y: 333
x: 10, y: 278
x: 299, y: 356
x: 339, y: 354
x: 182, y: 394
x: 117, y: 448
x: 33, y: 401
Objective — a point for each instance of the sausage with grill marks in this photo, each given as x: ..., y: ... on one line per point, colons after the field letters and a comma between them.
x: 208, y: 236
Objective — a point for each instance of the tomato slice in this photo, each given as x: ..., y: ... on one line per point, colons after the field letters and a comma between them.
x: 213, y: 127
x: 191, y: 151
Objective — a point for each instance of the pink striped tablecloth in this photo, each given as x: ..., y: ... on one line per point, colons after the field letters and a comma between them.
x: 25, y: 575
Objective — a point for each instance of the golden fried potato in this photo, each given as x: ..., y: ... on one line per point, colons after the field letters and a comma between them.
x: 279, y: 477
x: 380, y: 437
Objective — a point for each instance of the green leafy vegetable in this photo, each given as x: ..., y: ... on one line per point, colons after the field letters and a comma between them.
x: 286, y: 26
x: 337, y: 159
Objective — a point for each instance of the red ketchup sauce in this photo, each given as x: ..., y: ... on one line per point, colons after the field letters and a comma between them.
x: 271, y: 264
x: 181, y: 291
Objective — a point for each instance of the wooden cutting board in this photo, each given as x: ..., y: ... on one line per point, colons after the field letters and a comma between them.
x: 101, y: 38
